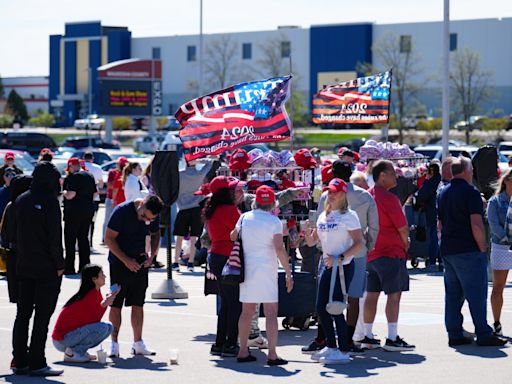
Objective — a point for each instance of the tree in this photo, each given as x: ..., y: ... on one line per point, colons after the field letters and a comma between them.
x: 15, y: 106
x: 220, y: 63
x: 397, y: 53
x: 271, y: 63
x: 470, y: 85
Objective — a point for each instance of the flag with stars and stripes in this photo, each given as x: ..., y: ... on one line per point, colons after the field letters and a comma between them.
x: 364, y: 100
x: 246, y: 113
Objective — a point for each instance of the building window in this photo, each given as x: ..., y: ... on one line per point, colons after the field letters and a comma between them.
x: 156, y: 53
x: 453, y: 41
x: 405, y: 44
x: 191, y: 53
x: 246, y: 51
x: 286, y: 49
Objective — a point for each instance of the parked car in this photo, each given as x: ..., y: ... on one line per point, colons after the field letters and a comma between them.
x: 20, y: 159
x: 100, y: 156
x: 505, y: 148
x: 31, y: 142
x: 148, y: 143
x: 90, y: 141
x: 436, y: 151
x: 90, y: 122
x: 474, y: 122
x: 117, y: 153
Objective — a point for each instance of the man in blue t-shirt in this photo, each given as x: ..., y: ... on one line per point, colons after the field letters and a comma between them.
x: 133, y: 239
x: 463, y: 247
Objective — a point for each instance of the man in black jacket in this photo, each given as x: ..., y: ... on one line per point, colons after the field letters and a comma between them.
x: 39, y: 268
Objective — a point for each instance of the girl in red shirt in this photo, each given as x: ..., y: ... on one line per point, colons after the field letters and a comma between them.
x: 79, y: 325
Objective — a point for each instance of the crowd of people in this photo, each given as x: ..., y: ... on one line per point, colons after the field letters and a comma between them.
x: 356, y: 241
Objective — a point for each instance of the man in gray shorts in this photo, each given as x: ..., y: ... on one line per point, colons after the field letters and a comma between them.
x: 386, y: 267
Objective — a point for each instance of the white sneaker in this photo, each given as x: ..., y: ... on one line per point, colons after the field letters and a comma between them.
x: 139, y: 348
x: 335, y: 356
x: 76, y: 358
x: 258, y: 342
x: 114, y: 349
x: 321, y: 353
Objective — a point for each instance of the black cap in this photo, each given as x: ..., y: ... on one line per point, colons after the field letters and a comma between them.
x: 342, y: 170
x: 347, y: 152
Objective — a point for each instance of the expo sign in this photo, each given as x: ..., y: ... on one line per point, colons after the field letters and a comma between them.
x: 157, y: 98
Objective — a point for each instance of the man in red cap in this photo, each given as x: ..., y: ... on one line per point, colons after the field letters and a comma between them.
x: 79, y: 191
x: 113, y: 175
x: 9, y: 160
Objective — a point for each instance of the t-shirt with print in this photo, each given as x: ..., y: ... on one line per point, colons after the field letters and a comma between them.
x: 333, y: 232
x: 391, y: 218
x: 132, y: 231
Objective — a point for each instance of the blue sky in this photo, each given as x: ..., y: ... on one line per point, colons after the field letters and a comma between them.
x: 26, y: 24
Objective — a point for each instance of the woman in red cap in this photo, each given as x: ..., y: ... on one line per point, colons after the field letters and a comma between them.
x: 113, y: 175
x: 221, y: 216
x: 262, y: 238
x: 339, y: 232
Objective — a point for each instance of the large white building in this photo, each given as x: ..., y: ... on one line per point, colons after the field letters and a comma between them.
x: 319, y: 55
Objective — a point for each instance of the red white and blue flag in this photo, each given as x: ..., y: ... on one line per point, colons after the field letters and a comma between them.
x: 246, y: 113
x: 364, y: 100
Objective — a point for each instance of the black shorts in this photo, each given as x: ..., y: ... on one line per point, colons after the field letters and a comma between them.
x: 133, y: 285
x: 387, y: 274
x: 188, y: 222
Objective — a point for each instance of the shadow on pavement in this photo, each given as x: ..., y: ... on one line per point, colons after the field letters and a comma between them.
x: 28, y: 379
x: 485, y: 352
x: 210, y: 337
x: 258, y: 367
x: 166, y: 303
x: 362, y: 365
x: 139, y: 362
x: 89, y: 365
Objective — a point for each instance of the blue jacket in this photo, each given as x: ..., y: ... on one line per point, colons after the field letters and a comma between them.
x: 496, y: 213
x: 427, y: 195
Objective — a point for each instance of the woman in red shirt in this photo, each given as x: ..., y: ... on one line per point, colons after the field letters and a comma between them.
x: 79, y: 325
x: 221, y: 217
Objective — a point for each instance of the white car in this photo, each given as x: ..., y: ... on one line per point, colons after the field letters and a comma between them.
x: 505, y: 148
x: 90, y: 122
x: 148, y: 143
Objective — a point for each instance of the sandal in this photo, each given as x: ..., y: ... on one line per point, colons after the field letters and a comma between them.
x: 278, y: 361
x: 247, y: 359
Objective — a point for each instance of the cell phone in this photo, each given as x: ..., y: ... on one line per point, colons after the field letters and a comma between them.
x: 312, y: 216
x: 114, y: 288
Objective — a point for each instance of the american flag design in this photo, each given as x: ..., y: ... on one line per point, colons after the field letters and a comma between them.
x: 246, y: 113
x: 364, y: 100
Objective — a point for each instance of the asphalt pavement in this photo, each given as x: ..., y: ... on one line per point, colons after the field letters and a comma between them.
x: 189, y: 326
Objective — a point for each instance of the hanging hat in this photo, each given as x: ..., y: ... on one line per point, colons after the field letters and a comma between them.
x: 304, y: 159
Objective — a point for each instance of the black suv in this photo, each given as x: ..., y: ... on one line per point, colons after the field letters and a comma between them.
x: 30, y: 142
x: 89, y: 142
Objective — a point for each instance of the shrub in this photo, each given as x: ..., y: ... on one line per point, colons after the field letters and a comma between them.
x: 6, y: 121
x: 43, y: 119
x: 121, y: 123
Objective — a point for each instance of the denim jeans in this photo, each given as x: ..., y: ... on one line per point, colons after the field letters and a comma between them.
x: 323, y: 298
x: 465, y: 277
x: 108, y: 212
x: 83, y: 338
x: 433, y: 244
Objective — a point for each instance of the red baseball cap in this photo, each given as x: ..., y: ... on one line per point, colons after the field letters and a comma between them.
x: 341, y: 150
x: 304, y: 159
x: 326, y: 162
x: 254, y: 184
x: 122, y: 161
x: 73, y: 161
x: 220, y: 182
x: 357, y: 158
x: 326, y: 173
x: 337, y: 185
x: 265, y: 195
x: 45, y: 150
x: 204, y: 190
x: 9, y: 156
x: 239, y: 160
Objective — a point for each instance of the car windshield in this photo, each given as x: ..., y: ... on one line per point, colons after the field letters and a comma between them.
x: 505, y: 147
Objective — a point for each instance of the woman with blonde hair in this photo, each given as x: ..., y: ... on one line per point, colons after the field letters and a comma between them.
x: 501, y: 240
x: 339, y: 232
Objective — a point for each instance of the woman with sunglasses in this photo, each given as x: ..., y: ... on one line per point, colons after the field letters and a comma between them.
x: 339, y: 232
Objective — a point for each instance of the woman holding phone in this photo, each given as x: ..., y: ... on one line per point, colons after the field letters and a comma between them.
x: 79, y: 325
x: 339, y: 232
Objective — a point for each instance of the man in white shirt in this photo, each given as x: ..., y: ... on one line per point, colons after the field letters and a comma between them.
x: 95, y: 170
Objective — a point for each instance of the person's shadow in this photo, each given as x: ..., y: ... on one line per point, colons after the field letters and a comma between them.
x: 485, y: 352
x: 257, y: 367
x: 12, y: 378
x: 139, y: 362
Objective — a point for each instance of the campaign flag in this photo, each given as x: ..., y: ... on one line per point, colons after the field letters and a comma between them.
x: 246, y: 113
x: 364, y: 100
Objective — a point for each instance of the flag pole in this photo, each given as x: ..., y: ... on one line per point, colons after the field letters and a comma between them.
x: 446, y: 78
x: 292, y: 145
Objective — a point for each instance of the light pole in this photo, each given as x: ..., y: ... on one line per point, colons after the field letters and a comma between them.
x: 446, y: 78
x: 200, y: 85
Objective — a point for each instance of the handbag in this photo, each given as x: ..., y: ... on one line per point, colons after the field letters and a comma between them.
x: 210, y: 281
x: 336, y: 308
x: 233, y: 271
